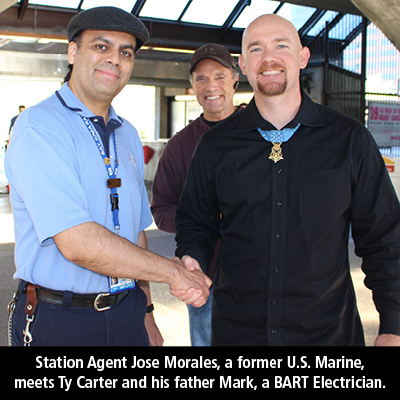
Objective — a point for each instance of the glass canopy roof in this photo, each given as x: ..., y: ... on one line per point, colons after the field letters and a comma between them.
x: 231, y: 14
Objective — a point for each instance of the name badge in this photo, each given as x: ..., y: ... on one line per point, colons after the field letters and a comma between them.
x: 114, y: 183
x: 120, y: 284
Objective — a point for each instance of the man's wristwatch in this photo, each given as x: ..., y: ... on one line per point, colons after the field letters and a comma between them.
x: 150, y: 308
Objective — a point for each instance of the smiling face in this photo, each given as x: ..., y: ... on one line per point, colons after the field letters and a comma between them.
x: 102, y: 65
x: 213, y: 85
x: 272, y: 56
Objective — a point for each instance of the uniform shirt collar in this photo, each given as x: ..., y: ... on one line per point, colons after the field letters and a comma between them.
x: 308, y: 115
x: 68, y: 99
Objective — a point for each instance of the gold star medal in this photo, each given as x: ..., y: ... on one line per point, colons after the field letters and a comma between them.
x: 107, y: 161
x: 276, y: 152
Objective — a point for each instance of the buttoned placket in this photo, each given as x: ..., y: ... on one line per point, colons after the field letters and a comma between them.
x: 278, y: 243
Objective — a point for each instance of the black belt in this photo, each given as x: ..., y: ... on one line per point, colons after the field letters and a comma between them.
x: 100, y: 302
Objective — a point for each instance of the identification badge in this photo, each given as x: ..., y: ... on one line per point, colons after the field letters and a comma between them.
x: 114, y: 183
x: 120, y: 284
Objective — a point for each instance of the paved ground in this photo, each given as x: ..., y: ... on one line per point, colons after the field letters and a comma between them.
x: 171, y: 314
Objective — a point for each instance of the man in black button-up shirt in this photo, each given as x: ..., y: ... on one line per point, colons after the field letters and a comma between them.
x: 283, y: 276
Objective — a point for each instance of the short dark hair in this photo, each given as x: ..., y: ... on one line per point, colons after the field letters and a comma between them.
x: 78, y: 41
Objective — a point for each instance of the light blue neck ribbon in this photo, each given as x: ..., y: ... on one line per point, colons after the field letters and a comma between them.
x: 278, y: 136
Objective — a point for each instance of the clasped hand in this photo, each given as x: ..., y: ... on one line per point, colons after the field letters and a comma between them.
x: 193, y: 286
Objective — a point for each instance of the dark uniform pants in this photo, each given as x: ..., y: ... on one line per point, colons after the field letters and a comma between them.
x: 56, y: 325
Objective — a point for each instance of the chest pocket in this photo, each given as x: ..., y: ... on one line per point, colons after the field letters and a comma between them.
x: 325, y: 195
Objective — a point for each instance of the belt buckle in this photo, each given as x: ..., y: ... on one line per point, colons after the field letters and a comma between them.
x: 97, y: 300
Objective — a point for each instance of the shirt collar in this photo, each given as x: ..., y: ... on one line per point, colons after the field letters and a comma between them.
x: 68, y: 99
x: 308, y: 115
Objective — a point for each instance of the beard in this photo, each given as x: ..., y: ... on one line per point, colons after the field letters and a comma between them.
x: 271, y: 88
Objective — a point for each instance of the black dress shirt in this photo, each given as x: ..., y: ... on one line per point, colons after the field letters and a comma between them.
x: 283, y: 275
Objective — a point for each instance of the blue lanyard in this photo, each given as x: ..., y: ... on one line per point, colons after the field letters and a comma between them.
x: 112, y: 182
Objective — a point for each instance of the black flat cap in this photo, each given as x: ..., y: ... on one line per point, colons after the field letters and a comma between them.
x: 108, y: 19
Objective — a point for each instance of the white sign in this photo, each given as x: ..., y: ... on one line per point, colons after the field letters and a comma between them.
x: 384, y: 123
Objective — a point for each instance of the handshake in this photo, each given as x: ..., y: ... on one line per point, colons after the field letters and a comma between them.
x: 190, y: 284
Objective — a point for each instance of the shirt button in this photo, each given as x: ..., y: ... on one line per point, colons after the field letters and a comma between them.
x: 274, y: 301
x: 279, y: 171
x: 276, y: 269
x: 278, y: 203
x: 278, y: 236
x: 274, y: 331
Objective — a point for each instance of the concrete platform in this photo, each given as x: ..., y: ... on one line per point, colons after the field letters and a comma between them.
x: 171, y: 314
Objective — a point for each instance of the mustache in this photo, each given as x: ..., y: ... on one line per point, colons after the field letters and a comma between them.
x: 274, y: 65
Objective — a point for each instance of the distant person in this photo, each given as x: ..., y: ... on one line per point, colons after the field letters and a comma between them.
x: 214, y: 79
x: 13, y: 119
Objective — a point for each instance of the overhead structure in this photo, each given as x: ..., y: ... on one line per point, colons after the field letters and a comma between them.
x: 33, y: 39
x: 188, y: 24
x: 385, y: 14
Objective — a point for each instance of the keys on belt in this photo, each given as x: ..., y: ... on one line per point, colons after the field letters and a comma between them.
x: 100, y: 302
x: 34, y: 294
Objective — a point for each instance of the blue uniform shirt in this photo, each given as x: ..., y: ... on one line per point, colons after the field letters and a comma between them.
x: 58, y: 180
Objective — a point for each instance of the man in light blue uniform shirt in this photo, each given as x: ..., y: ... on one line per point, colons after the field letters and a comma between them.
x: 80, y: 204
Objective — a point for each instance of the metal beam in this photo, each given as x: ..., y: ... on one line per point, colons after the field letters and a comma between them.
x: 279, y: 7
x: 51, y: 22
x: 190, y: 36
x: 138, y: 7
x: 37, y: 21
x: 22, y: 9
x: 184, y: 10
x: 310, y: 23
x: 364, y: 25
x: 355, y: 32
x: 343, y: 6
x: 329, y: 26
x: 240, y: 6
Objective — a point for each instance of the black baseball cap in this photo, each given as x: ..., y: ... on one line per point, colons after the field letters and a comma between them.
x: 108, y: 19
x: 215, y: 52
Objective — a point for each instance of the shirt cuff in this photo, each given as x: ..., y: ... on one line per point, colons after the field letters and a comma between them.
x: 389, y: 322
x: 198, y: 256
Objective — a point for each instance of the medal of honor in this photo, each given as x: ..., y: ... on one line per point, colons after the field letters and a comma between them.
x: 276, y: 152
x: 277, y: 137
x: 107, y: 161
